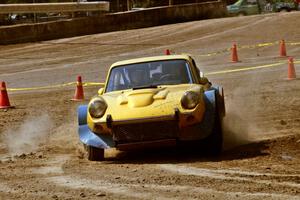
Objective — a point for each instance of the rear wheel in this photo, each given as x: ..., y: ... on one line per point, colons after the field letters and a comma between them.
x: 94, y: 154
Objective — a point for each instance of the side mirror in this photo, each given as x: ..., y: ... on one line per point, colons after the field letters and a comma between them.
x: 100, y: 91
x: 201, y: 74
x: 204, y: 80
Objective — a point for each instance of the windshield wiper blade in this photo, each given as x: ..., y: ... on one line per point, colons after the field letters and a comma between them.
x: 144, y: 87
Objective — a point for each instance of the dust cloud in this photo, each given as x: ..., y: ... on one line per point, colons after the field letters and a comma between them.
x: 239, y: 125
x: 27, y: 138
x: 65, y: 132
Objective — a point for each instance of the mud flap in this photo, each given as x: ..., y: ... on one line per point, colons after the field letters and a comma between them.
x: 88, y: 137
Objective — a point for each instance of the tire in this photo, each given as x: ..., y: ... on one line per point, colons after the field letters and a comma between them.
x: 284, y: 10
x: 94, y: 154
x: 221, y: 102
x: 215, y: 139
x: 241, y: 14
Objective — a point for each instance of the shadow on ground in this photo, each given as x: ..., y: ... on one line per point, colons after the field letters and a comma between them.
x: 186, y: 154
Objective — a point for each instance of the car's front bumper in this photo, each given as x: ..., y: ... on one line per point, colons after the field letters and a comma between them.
x: 148, y: 131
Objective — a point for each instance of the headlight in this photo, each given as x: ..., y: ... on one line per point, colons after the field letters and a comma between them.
x: 97, y: 107
x: 190, y: 100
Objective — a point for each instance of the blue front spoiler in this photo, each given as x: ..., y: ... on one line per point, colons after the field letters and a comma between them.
x: 88, y: 137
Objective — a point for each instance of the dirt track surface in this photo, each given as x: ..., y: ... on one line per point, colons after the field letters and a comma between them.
x: 41, y: 157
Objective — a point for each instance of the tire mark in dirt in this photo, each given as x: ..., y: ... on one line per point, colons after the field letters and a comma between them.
x: 55, y: 174
x: 53, y: 166
x: 33, y: 47
x: 238, y: 172
x: 78, y: 183
x: 215, y: 35
x: 9, y: 191
x: 5, y: 188
x: 227, y: 175
x: 131, y: 190
x: 54, y: 169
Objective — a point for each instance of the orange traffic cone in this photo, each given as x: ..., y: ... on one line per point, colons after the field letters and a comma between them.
x: 282, y: 49
x: 167, y: 52
x: 4, y: 101
x: 234, y: 55
x: 79, y: 96
x: 291, y: 69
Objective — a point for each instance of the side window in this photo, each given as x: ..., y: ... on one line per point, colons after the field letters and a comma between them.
x: 249, y: 2
x: 252, y: 2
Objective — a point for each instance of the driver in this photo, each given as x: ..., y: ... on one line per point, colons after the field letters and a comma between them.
x: 175, y: 72
x: 138, y: 76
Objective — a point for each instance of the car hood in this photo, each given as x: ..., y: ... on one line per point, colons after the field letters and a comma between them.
x: 146, y: 103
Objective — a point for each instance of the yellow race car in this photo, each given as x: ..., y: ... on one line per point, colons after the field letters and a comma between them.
x: 150, y: 102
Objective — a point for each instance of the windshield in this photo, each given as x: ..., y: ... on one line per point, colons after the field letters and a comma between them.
x: 238, y: 3
x: 149, y: 74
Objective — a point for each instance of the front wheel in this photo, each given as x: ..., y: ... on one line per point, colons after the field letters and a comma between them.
x: 216, y: 137
x: 94, y: 154
x: 241, y: 14
x: 284, y: 10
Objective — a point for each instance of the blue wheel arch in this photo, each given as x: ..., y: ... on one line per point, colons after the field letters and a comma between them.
x: 206, y: 125
x: 88, y: 137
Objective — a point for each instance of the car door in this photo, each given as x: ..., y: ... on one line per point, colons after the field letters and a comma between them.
x: 250, y: 7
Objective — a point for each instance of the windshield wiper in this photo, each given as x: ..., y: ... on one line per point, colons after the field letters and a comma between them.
x: 144, y: 87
